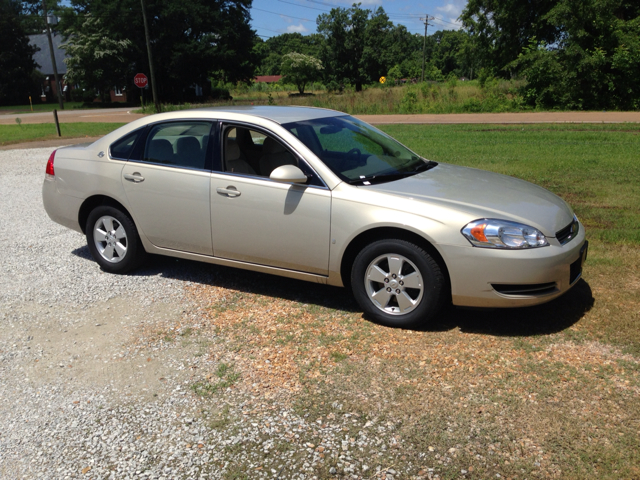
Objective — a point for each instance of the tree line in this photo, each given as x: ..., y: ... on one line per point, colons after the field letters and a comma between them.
x: 575, y: 54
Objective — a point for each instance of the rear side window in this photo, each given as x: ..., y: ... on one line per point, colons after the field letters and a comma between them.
x: 178, y: 144
x: 121, y: 149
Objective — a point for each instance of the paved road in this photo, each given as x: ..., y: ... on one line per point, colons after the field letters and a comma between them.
x: 107, y: 115
x: 124, y: 115
x: 523, y: 117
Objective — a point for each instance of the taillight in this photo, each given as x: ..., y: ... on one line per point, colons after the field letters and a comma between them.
x: 50, y: 170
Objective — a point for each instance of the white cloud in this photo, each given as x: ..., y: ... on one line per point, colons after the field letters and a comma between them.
x: 450, y: 13
x: 296, y: 29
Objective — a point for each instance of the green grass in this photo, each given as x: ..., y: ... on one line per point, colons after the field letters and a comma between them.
x: 227, y: 377
x: 38, y: 107
x: 594, y: 167
x: 10, y: 134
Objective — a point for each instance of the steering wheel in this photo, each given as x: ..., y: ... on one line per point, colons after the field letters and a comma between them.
x: 356, y: 153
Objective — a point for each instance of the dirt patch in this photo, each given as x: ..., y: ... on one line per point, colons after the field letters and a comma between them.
x: 98, y: 346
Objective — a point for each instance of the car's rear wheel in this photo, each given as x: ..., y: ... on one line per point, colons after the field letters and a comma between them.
x: 113, y: 240
x: 397, y: 283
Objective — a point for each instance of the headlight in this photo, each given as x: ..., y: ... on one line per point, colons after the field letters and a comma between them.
x: 493, y: 233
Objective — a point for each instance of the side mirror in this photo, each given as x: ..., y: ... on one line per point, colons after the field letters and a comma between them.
x: 288, y: 174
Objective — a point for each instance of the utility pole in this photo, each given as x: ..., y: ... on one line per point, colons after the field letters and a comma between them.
x: 153, y: 75
x: 424, y: 42
x: 53, y: 56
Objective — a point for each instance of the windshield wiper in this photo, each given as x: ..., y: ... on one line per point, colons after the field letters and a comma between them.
x: 389, y: 177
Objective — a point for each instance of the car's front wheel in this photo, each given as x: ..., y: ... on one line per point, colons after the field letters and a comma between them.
x: 397, y: 283
x: 113, y: 240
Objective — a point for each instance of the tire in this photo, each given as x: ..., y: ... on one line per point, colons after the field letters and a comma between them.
x: 397, y: 283
x: 113, y: 240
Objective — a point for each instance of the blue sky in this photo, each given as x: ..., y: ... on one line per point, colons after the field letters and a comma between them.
x: 274, y: 17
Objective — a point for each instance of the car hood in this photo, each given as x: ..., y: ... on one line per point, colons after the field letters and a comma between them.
x: 484, y: 195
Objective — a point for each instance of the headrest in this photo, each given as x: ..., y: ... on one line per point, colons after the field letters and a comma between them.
x: 232, y: 150
x: 188, y: 145
x: 160, y: 150
x: 271, y: 146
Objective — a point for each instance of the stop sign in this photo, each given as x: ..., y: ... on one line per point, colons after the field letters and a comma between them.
x: 140, y: 80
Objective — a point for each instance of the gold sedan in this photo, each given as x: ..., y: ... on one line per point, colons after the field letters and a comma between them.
x: 316, y: 195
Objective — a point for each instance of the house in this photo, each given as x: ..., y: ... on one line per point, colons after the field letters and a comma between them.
x: 43, y: 58
x: 267, y: 78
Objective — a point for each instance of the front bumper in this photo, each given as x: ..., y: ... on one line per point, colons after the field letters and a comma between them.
x: 483, y: 277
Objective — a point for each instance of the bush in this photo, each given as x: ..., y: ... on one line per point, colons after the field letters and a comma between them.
x: 409, y: 102
x: 220, y: 93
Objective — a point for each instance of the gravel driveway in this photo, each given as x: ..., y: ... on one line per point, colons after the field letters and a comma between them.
x: 85, y: 394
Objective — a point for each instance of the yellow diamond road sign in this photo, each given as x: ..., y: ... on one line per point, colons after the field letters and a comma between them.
x: 383, y: 79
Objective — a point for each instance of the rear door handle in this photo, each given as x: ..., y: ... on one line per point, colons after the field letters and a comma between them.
x: 229, y: 191
x: 134, y: 177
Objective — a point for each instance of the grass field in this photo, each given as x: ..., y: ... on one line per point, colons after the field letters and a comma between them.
x: 451, y: 97
x: 10, y: 134
x: 546, y: 392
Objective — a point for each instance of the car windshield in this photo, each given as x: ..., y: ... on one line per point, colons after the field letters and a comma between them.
x: 357, y: 152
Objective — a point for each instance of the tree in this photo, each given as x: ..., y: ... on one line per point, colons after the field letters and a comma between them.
x: 16, y: 56
x: 301, y: 69
x: 502, y: 28
x: 362, y: 45
x: 94, y: 59
x: 192, y: 40
x: 343, y: 30
x: 270, y: 52
x: 593, y: 64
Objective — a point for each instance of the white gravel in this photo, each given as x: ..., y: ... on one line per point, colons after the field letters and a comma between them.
x: 80, y: 399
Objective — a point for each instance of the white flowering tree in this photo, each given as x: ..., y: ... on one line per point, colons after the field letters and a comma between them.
x: 95, y: 59
x: 301, y: 69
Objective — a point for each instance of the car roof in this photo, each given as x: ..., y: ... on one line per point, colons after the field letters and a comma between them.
x: 278, y: 114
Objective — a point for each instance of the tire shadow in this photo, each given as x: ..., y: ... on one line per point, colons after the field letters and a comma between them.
x: 548, y: 318
x: 545, y: 319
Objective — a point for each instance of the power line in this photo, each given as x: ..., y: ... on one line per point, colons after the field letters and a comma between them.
x: 268, y: 29
x: 281, y: 14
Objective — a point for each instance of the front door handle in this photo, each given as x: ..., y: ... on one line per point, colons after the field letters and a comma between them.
x: 229, y: 191
x: 134, y: 177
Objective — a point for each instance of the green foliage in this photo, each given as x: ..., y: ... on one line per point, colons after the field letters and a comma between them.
x: 500, y: 29
x: 301, y: 69
x: 409, y: 102
x: 395, y: 74
x: 220, y: 93
x: 16, y: 63
x: 574, y: 54
x: 269, y: 53
x: 95, y: 60
x: 596, y: 65
x: 192, y: 41
x: 362, y: 45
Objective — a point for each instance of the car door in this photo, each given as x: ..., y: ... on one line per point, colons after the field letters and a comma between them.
x: 168, y: 187
x: 258, y: 220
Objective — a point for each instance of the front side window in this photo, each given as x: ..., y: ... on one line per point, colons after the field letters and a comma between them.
x: 357, y: 152
x: 252, y: 152
x: 178, y: 144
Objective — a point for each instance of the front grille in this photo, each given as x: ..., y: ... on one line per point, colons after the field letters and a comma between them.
x: 531, y: 289
x: 567, y: 233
